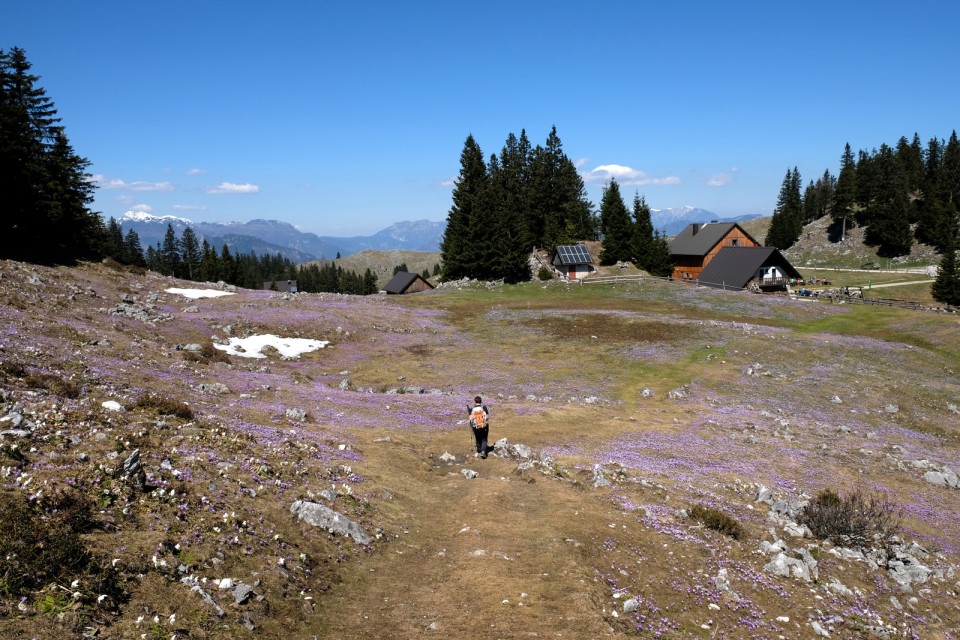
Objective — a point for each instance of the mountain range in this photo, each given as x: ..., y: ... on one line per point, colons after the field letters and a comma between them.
x: 274, y: 236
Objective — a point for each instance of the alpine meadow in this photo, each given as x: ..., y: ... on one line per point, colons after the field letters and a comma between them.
x: 198, y: 442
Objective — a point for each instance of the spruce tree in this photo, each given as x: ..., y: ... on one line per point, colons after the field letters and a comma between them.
x: 946, y: 287
x: 844, y: 201
x: 659, y: 260
x: 641, y: 244
x: 456, y: 247
x: 616, y: 226
x: 43, y: 182
x: 132, y: 249
x: 787, y: 223
x: 190, y: 253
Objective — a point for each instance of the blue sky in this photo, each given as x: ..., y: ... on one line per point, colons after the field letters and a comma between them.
x: 342, y: 118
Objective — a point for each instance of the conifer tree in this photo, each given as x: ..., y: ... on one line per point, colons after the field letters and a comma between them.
x: 946, y: 287
x: 641, y: 244
x: 43, y: 182
x: 132, y: 249
x: 468, y: 204
x: 659, y: 261
x: 190, y: 253
x: 787, y: 222
x: 616, y: 226
x: 842, y: 209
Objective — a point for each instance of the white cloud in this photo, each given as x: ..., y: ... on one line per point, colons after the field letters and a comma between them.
x: 626, y: 176
x: 232, y: 187
x: 721, y: 179
x: 137, y: 185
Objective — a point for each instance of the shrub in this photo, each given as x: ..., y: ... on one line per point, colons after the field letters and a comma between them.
x: 165, y: 406
x: 717, y: 520
x: 33, y: 550
x: 54, y: 384
x: 855, y: 519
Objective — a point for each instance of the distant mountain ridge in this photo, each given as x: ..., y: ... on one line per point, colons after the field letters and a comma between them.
x: 274, y: 236
x: 673, y: 221
x: 271, y: 237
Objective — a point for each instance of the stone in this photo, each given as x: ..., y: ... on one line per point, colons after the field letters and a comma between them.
x: 322, y: 516
x: 215, y: 388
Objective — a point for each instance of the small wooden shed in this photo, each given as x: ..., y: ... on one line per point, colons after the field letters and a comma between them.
x: 406, y: 282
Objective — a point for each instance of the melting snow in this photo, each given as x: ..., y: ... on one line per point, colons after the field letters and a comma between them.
x: 288, y: 347
x: 200, y: 293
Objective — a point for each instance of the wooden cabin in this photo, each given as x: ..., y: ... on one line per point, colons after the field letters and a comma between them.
x: 694, y: 247
x: 406, y: 282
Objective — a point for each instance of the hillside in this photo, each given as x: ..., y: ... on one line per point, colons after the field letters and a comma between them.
x: 657, y: 448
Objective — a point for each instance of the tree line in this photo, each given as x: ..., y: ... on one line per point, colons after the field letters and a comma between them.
x: 524, y: 198
x: 897, y: 194
x: 191, y: 258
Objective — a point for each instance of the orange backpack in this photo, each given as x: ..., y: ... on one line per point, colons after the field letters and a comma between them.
x: 478, y: 418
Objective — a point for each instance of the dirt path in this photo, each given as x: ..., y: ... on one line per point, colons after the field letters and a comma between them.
x: 492, y: 557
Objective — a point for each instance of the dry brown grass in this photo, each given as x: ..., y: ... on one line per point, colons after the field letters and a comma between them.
x: 555, y: 548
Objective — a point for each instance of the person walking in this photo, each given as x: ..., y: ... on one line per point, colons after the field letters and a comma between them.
x: 480, y: 424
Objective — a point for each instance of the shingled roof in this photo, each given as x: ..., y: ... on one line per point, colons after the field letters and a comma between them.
x: 402, y: 281
x: 699, y: 238
x: 734, y: 267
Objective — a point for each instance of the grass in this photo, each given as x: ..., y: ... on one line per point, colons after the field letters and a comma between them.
x: 515, y: 551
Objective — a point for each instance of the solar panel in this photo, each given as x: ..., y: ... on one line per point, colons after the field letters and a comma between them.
x: 574, y: 254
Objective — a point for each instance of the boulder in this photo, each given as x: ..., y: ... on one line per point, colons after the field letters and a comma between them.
x: 319, y: 515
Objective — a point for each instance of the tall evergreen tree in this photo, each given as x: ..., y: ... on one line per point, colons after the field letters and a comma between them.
x: 946, y: 287
x: 132, y: 249
x: 844, y: 202
x: 190, y: 253
x: 659, y: 261
x: 469, y: 192
x: 616, y: 226
x: 643, y: 237
x: 787, y: 222
x: 45, y: 186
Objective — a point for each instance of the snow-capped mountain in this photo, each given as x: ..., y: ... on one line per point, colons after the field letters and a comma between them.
x: 673, y: 221
x: 273, y: 236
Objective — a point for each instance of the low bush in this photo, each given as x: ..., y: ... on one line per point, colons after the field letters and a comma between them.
x: 165, y: 406
x: 717, y: 520
x: 54, y: 384
x: 857, y: 519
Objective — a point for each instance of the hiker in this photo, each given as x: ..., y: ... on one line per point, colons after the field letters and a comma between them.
x: 480, y: 424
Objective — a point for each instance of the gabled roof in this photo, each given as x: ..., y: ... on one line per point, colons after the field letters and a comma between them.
x: 734, y: 267
x: 699, y: 238
x: 571, y: 254
x: 402, y: 280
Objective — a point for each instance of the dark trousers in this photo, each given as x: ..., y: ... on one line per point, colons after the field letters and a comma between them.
x: 481, y: 436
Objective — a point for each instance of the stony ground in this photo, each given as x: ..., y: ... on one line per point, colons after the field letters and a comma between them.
x: 166, y: 470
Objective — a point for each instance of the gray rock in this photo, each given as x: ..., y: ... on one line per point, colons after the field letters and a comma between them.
x: 318, y: 515
x: 299, y: 415
x: 215, y: 388
x: 599, y: 479
x: 784, y: 565
x: 132, y: 470
x: 242, y: 592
